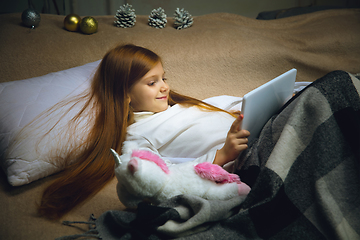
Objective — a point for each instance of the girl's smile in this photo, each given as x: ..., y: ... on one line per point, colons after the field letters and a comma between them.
x: 162, y: 98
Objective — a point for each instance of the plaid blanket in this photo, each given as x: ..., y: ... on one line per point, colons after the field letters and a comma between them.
x: 304, y: 173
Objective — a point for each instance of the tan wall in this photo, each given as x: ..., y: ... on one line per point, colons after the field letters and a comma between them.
x: 248, y: 8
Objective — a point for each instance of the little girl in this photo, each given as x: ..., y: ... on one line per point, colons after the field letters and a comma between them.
x: 135, y: 108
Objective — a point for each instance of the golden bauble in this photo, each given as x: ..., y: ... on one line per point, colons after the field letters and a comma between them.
x: 88, y: 25
x: 72, y: 22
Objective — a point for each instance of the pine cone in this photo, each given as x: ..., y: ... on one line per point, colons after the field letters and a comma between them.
x: 157, y: 18
x: 125, y: 16
x: 183, y: 19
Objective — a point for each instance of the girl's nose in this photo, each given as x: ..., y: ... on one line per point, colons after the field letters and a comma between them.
x: 164, y: 87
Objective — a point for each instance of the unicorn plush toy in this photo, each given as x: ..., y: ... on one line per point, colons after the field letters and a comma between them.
x: 146, y: 177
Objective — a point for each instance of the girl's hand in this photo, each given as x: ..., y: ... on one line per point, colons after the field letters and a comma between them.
x: 237, y: 113
x: 236, y: 142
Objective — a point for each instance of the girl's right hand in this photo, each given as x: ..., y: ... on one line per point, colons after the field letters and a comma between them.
x: 236, y: 142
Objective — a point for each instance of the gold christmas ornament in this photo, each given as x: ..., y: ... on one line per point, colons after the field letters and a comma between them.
x: 88, y: 25
x: 72, y: 22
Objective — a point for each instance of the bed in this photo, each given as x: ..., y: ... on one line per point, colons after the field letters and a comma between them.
x: 221, y: 54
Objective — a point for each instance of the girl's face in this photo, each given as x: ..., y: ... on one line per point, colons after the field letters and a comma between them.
x: 151, y: 92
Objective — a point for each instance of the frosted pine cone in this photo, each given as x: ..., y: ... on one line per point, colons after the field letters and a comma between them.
x: 183, y: 19
x: 125, y: 16
x: 157, y: 18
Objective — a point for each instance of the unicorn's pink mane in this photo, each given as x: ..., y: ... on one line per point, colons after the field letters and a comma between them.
x: 152, y: 157
x: 215, y: 173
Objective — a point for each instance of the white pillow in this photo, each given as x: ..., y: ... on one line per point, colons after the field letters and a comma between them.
x: 20, y: 102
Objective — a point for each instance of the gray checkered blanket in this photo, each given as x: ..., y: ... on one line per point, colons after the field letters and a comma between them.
x: 304, y: 173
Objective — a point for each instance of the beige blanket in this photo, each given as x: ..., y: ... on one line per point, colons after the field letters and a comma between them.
x: 220, y: 54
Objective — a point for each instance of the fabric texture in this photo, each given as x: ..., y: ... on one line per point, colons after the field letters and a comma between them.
x: 25, y: 156
x: 221, y: 54
x: 167, y: 133
x: 304, y: 172
x: 308, y: 184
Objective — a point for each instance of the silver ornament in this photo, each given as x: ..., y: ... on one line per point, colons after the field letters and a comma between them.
x: 30, y: 18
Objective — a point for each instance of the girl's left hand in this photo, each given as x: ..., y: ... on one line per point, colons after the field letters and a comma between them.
x: 236, y: 142
x: 237, y: 113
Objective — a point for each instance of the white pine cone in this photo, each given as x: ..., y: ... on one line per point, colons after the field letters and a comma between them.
x: 157, y: 18
x: 183, y: 19
x: 125, y: 16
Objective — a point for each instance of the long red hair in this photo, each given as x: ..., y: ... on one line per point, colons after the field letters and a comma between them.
x: 118, y: 71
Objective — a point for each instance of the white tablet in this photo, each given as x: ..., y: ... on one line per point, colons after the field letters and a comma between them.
x: 263, y: 102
